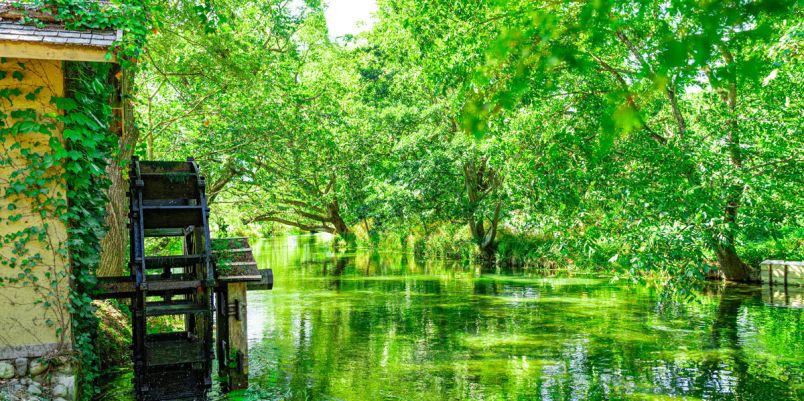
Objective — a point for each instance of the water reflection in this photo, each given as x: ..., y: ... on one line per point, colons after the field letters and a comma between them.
x: 371, y: 325
x: 382, y: 326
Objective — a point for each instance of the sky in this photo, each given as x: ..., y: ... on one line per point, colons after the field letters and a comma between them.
x: 349, y: 16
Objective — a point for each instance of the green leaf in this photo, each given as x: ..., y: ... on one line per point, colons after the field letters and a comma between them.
x: 64, y: 103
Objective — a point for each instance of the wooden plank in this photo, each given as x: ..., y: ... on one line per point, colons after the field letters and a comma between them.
x: 234, y: 260
x: 172, y: 216
x: 242, y: 279
x: 172, y: 352
x: 46, y: 51
x: 115, y: 287
x: 124, y: 286
x: 169, y: 186
x: 267, y: 282
x: 236, y: 250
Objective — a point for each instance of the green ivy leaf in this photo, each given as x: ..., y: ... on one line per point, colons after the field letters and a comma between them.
x: 64, y: 103
x: 7, y: 93
x: 34, y: 94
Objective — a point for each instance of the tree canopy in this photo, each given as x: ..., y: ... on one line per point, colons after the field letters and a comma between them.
x: 641, y: 136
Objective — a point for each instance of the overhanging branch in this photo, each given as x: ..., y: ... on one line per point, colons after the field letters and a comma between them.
x: 297, y: 224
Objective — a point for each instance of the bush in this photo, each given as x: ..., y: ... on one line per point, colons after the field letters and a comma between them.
x: 114, y: 333
x: 789, y: 245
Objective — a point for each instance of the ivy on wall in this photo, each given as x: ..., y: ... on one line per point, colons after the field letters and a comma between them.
x: 58, y: 176
x: 32, y: 196
x: 89, y: 145
x: 56, y: 168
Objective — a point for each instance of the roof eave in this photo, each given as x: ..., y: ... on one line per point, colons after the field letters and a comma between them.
x: 48, y: 51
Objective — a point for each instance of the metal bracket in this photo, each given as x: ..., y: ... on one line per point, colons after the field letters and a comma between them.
x: 240, y: 361
x: 233, y: 309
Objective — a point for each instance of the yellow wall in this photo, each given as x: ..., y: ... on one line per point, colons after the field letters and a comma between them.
x: 28, y: 328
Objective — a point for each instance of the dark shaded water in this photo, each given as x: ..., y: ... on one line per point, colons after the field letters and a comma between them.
x: 380, y: 326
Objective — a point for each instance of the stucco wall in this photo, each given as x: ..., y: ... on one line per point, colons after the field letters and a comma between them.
x: 31, y: 312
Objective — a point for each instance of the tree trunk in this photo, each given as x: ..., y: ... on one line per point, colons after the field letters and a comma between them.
x: 341, y: 228
x: 486, y: 238
x: 732, y: 266
x: 113, y: 245
x: 488, y: 251
x: 730, y: 263
x: 480, y: 181
x: 310, y: 218
x: 478, y: 229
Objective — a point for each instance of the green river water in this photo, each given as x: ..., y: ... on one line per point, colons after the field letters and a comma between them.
x: 382, y: 326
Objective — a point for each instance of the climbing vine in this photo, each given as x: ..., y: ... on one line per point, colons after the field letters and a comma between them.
x: 33, y: 197
x: 89, y: 145
x: 55, y: 152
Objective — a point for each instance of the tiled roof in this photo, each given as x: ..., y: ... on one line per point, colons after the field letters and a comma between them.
x: 14, y: 31
x: 11, y: 29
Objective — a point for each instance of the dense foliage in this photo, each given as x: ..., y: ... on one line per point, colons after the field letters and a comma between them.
x: 641, y: 136
x: 89, y: 145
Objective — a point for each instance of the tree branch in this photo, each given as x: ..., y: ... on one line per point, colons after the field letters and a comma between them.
x: 670, y: 91
x: 275, y: 219
x: 630, y: 98
x: 298, y: 203
x: 311, y: 216
x: 230, y: 172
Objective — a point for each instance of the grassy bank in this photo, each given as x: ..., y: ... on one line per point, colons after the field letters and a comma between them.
x: 619, y: 253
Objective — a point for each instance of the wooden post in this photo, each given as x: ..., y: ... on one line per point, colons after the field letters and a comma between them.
x: 236, y: 270
x: 233, y: 361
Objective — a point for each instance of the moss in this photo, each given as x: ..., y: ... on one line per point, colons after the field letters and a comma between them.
x: 165, y: 324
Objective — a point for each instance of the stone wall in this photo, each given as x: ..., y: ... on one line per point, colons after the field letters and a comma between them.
x: 31, y: 379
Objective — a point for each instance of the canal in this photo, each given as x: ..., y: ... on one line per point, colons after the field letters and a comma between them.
x: 371, y: 325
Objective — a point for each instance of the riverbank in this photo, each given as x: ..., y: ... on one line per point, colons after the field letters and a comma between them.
x: 618, y: 254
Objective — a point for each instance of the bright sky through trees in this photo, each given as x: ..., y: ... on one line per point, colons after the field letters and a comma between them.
x: 350, y: 16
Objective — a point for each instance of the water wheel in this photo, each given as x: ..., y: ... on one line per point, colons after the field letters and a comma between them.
x: 168, y: 200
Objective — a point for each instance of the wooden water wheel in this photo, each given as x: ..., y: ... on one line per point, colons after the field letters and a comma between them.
x: 168, y: 200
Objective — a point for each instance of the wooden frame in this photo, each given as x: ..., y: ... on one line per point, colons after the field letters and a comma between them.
x: 44, y: 51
